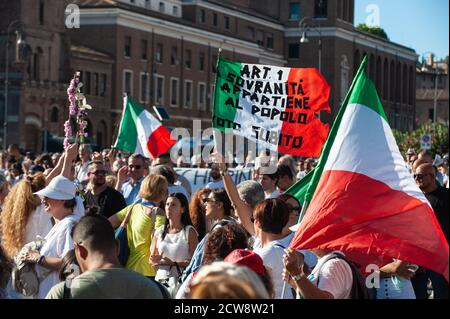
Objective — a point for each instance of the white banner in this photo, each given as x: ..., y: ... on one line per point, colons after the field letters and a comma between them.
x: 199, y: 177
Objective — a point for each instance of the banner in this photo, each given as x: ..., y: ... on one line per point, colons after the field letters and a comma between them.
x: 199, y: 177
x: 277, y: 107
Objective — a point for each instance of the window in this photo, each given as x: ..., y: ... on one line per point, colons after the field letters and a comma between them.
x: 269, y: 41
x: 213, y: 64
x: 260, y: 37
x: 103, y: 85
x: 54, y: 115
x: 201, y: 96
x: 87, y: 83
x: 215, y: 19
x: 144, y: 49
x: 161, y: 7
x: 188, y: 94
x: 147, y: 4
x: 159, y: 89
x: 41, y: 12
x: 251, y: 33
x: 174, y: 56
x: 188, y: 59
x: 227, y: 23
x: 174, y: 92
x: 201, y: 61
x: 128, y: 82
x: 143, y: 88
x: 175, y: 10
x: 202, y: 16
x: 431, y: 114
x: 320, y: 9
x: 96, y: 88
x: 294, y: 11
x: 293, y: 51
x: 127, y: 48
x: 159, y: 53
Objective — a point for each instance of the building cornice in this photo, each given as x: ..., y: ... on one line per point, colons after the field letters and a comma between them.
x: 358, y: 38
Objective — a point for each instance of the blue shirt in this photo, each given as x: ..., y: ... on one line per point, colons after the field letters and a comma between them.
x: 131, y: 193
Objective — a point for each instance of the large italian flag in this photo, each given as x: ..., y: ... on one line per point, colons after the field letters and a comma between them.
x: 362, y: 198
x: 275, y: 106
x: 140, y: 132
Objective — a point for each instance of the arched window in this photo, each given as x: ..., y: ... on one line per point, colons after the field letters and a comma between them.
x: 398, y: 83
x: 372, y: 67
x: 54, y: 115
x: 405, y: 84
x: 356, y: 61
x: 386, y: 80
x: 392, y: 84
x: 378, y: 78
x: 101, y: 134
x: 411, y: 89
x: 37, y: 60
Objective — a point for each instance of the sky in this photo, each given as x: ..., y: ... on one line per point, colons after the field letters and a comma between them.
x: 419, y: 24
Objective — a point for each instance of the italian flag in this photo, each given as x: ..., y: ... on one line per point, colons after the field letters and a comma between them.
x: 362, y: 198
x: 276, y: 107
x: 140, y: 132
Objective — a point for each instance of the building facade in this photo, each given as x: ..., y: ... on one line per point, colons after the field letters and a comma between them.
x: 432, y: 91
x: 164, y: 53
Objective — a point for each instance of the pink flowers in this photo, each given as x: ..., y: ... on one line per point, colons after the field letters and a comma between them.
x: 77, y: 112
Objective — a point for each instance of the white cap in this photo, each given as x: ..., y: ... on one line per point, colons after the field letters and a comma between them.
x: 59, y: 188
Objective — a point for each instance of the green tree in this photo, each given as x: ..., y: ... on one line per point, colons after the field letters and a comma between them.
x: 372, y: 30
x: 437, y: 131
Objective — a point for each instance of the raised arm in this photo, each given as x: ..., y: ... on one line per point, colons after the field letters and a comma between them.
x: 71, y: 155
x: 242, y: 209
x: 56, y: 170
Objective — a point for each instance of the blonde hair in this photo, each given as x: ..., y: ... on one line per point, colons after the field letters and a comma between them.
x: 153, y: 188
x: 19, y: 204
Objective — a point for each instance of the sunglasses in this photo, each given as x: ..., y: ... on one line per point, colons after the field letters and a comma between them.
x: 420, y: 176
x: 97, y: 173
x: 134, y: 166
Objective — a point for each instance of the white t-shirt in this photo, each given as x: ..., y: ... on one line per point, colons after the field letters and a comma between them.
x: 274, y: 194
x: 82, y: 170
x: 176, y: 248
x: 215, y: 185
x: 39, y: 224
x: 335, y: 276
x: 57, y: 243
x: 272, y: 256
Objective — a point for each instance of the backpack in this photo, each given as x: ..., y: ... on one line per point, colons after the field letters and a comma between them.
x: 25, y: 279
x: 359, y: 289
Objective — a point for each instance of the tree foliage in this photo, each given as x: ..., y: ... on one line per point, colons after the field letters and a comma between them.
x: 372, y: 30
x: 437, y: 131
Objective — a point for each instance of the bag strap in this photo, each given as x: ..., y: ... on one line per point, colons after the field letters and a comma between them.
x: 127, y: 217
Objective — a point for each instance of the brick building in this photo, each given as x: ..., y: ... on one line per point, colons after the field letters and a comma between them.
x: 432, y: 85
x: 164, y: 53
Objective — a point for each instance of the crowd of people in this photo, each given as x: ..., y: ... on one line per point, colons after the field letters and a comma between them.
x: 60, y: 214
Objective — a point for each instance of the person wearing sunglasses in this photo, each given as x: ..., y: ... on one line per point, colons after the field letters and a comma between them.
x: 98, y: 193
x: 129, y: 178
x: 425, y: 177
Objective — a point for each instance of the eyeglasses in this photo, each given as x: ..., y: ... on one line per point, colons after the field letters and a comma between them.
x: 420, y: 176
x: 134, y: 166
x: 97, y: 173
x: 209, y: 200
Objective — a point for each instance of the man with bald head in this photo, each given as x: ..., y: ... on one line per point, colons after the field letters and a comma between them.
x: 425, y: 177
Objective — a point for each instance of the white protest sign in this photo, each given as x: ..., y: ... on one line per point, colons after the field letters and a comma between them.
x: 199, y: 177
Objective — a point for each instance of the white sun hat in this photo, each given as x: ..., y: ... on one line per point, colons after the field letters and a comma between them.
x: 60, y: 188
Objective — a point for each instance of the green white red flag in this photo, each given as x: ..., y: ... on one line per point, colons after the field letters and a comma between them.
x: 140, y: 132
x: 277, y: 107
x: 362, y: 198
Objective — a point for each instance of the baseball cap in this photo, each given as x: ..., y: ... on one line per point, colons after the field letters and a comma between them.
x: 248, y: 258
x: 60, y: 188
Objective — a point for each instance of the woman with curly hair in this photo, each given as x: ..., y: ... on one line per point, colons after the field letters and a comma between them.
x: 197, y: 211
x: 23, y: 216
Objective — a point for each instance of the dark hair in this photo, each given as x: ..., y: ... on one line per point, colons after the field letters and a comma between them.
x: 5, y: 268
x: 221, y: 195
x: 285, y: 197
x: 222, y: 241
x: 272, y: 214
x: 285, y: 170
x: 67, y: 266
x: 70, y: 203
x: 197, y: 212
x: 95, y: 232
x: 91, y: 163
x: 185, y: 217
x: 164, y: 171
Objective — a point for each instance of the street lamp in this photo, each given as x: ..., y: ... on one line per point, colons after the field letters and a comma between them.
x: 436, y: 74
x: 20, y: 47
x: 304, y: 38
